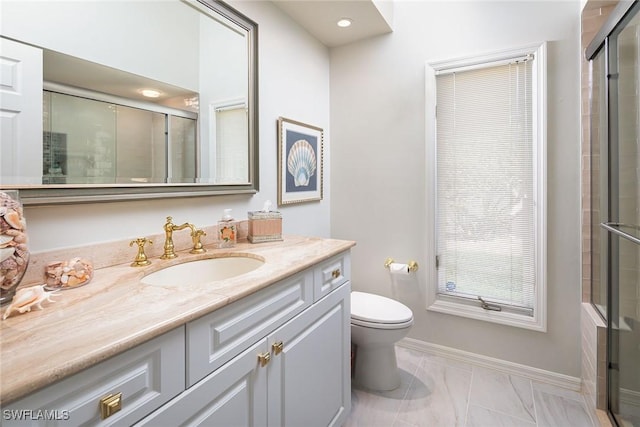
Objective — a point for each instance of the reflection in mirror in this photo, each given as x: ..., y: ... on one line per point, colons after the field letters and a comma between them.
x: 139, y: 112
x: 88, y: 141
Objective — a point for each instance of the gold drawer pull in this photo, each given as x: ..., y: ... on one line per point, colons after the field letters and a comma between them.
x: 264, y: 358
x: 336, y: 273
x: 277, y: 347
x: 110, y: 404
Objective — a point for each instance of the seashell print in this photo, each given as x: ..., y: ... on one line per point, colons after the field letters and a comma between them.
x: 26, y: 298
x: 301, y: 162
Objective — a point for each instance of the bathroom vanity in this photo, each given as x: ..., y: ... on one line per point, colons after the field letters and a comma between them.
x: 268, y: 347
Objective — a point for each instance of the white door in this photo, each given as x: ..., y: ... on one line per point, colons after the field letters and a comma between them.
x: 309, y: 375
x: 20, y: 113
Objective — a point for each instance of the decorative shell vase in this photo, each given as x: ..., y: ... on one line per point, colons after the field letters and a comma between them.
x: 14, y: 252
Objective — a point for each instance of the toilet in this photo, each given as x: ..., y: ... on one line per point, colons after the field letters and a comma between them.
x: 377, y: 323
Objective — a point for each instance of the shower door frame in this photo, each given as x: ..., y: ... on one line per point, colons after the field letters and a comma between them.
x: 606, y: 41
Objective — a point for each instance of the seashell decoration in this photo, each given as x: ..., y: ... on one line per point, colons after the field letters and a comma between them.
x: 301, y: 162
x: 68, y: 274
x: 26, y: 298
x: 14, y: 253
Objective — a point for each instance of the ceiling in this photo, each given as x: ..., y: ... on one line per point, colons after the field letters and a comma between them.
x: 319, y: 17
x: 79, y: 73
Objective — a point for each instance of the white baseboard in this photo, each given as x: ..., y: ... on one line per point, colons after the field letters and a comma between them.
x: 536, y: 374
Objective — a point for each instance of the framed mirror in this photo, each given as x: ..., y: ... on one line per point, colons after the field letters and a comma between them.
x: 112, y: 100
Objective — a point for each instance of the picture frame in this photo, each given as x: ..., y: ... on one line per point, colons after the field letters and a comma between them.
x: 300, y: 162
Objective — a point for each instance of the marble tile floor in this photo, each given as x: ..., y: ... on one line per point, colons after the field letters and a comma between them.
x: 439, y: 392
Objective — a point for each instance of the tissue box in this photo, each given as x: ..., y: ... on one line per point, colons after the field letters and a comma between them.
x: 265, y: 226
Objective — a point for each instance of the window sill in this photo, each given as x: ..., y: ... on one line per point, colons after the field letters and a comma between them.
x: 535, y: 323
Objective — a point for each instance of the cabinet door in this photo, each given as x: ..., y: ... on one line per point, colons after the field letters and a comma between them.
x: 146, y: 376
x: 309, y: 375
x: 235, y: 395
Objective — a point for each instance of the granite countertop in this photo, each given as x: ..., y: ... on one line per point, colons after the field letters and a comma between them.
x: 116, y: 312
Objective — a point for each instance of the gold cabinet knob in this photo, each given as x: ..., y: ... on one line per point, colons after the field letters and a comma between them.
x: 110, y: 404
x: 336, y: 273
x: 277, y: 347
x: 264, y: 358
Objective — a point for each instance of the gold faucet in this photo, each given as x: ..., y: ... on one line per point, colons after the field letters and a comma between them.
x: 196, y: 235
x: 169, y: 228
x: 141, y: 258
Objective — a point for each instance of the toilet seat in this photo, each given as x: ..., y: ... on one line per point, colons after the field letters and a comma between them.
x: 376, y: 311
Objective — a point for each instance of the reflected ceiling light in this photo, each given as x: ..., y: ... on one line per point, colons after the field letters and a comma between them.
x: 344, y: 22
x: 150, y: 93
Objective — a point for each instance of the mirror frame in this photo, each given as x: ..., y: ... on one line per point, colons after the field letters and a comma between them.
x: 90, y: 193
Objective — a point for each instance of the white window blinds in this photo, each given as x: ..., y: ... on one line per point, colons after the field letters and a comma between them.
x: 232, y: 151
x: 486, y: 185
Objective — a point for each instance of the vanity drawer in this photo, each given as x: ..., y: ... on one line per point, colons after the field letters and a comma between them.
x: 216, y: 338
x: 331, y: 274
x: 147, y: 376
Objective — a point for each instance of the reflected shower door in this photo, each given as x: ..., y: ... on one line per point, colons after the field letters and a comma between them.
x: 624, y: 225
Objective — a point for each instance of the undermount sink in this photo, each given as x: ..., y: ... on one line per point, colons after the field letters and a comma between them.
x: 202, y: 271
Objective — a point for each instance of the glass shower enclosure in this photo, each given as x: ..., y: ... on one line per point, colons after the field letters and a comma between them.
x: 614, y: 57
x: 88, y: 140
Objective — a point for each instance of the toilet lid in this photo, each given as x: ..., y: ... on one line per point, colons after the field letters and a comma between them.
x: 378, y: 309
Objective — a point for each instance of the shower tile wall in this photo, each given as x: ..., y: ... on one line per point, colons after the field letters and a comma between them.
x: 593, y: 16
x: 594, y: 364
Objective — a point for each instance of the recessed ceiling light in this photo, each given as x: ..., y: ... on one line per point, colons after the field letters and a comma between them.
x: 150, y: 93
x: 344, y: 22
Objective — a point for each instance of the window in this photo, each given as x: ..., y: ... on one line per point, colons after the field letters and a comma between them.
x: 230, y: 128
x: 486, y: 155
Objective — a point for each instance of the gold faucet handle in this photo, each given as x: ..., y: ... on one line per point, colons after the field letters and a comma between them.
x: 196, y: 236
x: 141, y: 258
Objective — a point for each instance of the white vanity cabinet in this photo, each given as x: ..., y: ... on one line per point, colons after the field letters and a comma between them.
x: 278, y: 357
x: 296, y: 373
x: 146, y: 377
x: 296, y: 376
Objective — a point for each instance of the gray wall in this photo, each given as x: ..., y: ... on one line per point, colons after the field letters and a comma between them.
x: 378, y: 163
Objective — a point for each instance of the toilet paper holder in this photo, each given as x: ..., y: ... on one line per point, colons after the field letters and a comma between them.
x: 412, y: 265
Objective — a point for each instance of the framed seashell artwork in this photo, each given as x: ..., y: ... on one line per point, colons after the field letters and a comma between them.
x: 300, y: 152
